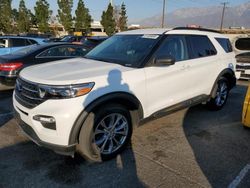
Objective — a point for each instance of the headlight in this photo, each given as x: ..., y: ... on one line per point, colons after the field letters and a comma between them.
x: 69, y: 91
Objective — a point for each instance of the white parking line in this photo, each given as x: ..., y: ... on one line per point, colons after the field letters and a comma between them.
x: 6, y: 114
x: 240, y: 177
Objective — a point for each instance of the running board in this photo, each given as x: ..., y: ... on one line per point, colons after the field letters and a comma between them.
x: 182, y: 105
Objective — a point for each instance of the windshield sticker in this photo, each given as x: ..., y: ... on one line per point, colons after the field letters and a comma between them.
x: 150, y: 36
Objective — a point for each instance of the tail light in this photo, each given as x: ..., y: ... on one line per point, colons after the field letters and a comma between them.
x: 11, y: 66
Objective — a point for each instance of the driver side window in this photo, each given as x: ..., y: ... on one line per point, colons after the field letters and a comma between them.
x: 175, y: 47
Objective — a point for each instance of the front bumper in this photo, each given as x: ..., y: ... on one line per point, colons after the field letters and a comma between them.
x: 65, y: 112
x: 31, y: 134
x: 244, y: 70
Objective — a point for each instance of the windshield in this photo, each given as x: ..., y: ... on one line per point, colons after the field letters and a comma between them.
x: 126, y: 50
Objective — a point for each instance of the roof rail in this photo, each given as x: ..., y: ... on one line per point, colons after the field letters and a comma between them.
x: 193, y: 28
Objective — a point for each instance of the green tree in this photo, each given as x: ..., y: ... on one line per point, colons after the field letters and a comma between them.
x: 5, y: 16
x: 42, y: 15
x: 15, y: 14
x: 122, y: 23
x: 23, y: 22
x: 83, y: 18
x: 64, y: 13
x: 108, y: 20
x: 33, y: 19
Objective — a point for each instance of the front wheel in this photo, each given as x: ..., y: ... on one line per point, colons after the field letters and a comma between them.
x: 105, y: 133
x: 221, y: 94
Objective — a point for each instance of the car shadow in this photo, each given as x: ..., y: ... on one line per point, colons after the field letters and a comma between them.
x: 27, y: 165
x: 6, y: 107
x: 219, y: 142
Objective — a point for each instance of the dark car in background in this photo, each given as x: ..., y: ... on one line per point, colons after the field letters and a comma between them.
x: 11, y: 64
x: 71, y: 38
x: 91, y: 42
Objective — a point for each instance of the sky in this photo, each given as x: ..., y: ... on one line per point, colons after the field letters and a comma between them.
x: 136, y: 9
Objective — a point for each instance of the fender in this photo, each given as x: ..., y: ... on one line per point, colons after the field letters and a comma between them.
x: 123, y: 98
x: 227, y: 73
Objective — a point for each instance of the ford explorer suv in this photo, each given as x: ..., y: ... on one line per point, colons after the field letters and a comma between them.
x: 91, y: 104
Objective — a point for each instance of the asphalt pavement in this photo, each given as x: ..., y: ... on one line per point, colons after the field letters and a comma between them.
x: 193, y: 147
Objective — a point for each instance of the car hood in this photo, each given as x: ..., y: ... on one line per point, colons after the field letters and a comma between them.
x: 70, y: 71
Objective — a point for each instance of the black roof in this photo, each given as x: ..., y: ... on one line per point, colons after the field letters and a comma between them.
x: 198, y: 29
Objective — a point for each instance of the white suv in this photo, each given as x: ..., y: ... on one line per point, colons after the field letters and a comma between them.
x: 91, y: 104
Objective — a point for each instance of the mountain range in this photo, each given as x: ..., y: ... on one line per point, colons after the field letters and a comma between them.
x: 236, y: 16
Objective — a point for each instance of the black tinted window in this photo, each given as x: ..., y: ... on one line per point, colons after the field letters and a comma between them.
x: 200, y: 46
x: 225, y: 44
x: 243, y: 44
x: 32, y: 41
x: 175, y: 47
x: 64, y: 51
x: 16, y: 42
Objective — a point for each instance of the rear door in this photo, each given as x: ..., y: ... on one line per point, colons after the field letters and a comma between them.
x: 16, y: 44
x: 203, y: 66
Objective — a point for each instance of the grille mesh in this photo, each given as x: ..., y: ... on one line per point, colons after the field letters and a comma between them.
x: 26, y: 94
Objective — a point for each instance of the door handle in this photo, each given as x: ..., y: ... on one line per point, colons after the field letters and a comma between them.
x: 184, y: 67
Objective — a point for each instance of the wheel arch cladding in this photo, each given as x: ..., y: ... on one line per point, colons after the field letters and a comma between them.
x: 126, y: 99
x: 229, y: 75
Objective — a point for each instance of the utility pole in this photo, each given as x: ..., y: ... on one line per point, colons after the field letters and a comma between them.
x: 223, y: 13
x: 163, y: 14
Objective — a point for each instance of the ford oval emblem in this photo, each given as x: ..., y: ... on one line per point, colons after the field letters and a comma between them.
x: 41, y: 92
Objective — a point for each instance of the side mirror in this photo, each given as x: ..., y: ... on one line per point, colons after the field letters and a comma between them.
x: 164, y: 61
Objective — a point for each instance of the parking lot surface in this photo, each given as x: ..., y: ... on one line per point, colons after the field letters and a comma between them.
x: 193, y: 147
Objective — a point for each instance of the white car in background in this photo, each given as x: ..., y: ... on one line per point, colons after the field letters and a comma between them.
x: 242, y: 49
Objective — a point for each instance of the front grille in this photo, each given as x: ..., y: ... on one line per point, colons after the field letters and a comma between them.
x: 26, y: 93
x: 242, y: 67
x: 246, y: 76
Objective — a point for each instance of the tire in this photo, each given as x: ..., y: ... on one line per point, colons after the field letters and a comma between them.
x: 221, y: 95
x: 98, y: 140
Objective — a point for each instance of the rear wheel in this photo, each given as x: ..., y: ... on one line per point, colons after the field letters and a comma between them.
x: 105, y: 133
x: 221, y: 94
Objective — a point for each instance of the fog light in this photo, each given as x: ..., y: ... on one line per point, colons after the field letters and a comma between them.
x: 48, y: 122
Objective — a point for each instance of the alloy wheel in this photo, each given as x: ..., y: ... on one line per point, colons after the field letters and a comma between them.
x: 110, y: 133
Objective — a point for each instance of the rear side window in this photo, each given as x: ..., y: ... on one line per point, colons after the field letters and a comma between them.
x: 225, y: 44
x: 16, y: 42
x: 200, y: 46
